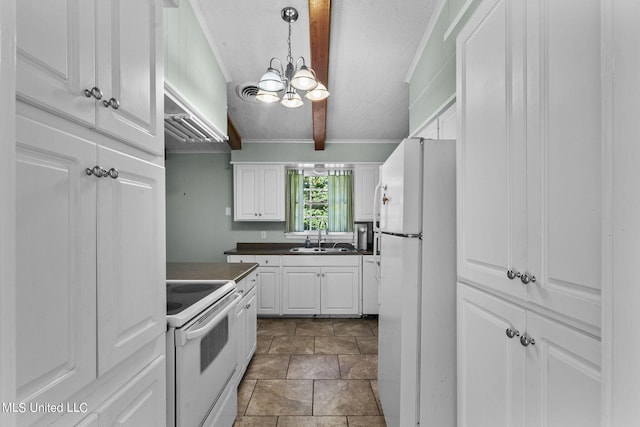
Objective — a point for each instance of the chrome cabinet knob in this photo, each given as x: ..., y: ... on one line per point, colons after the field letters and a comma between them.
x: 112, y: 102
x: 113, y: 173
x: 247, y: 306
x: 525, y: 340
x: 94, y: 91
x: 512, y: 332
x: 96, y: 171
x: 512, y: 274
x: 266, y: 261
x: 526, y: 278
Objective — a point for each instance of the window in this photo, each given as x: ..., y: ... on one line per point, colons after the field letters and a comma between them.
x: 319, y: 201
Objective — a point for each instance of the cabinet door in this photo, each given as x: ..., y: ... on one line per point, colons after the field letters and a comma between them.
x: 129, y: 70
x: 366, y: 180
x: 491, y: 152
x: 55, y: 265
x: 250, y: 326
x: 268, y: 290
x: 340, y: 290
x: 491, y: 366
x: 370, y: 285
x: 447, y: 123
x: 240, y: 331
x: 56, y: 56
x: 271, y: 193
x: 141, y: 402
x: 563, y: 376
x: 131, y: 257
x: 245, y: 193
x: 300, y: 290
x: 564, y: 157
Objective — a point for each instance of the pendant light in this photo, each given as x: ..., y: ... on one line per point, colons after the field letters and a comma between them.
x: 291, y: 79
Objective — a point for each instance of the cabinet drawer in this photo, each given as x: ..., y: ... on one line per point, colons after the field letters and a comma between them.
x: 268, y: 260
x: 321, y: 260
x: 241, y: 258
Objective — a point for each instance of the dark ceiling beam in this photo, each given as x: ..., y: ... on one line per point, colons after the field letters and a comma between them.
x: 319, y: 30
x: 235, y: 142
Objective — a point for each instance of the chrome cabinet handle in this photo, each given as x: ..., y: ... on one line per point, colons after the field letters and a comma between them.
x: 512, y: 274
x: 97, y: 171
x: 525, y: 278
x: 94, y: 91
x: 113, y: 173
x: 112, y: 102
x: 512, y: 332
x: 525, y: 340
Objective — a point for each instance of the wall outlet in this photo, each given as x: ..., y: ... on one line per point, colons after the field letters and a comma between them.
x: 227, y: 211
x: 263, y: 234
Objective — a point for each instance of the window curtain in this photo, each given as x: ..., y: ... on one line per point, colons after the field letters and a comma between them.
x: 294, y: 201
x: 340, y: 201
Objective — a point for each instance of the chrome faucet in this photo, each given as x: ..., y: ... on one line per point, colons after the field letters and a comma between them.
x: 320, y: 233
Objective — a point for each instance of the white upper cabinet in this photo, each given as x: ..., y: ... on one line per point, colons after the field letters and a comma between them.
x: 564, y: 156
x: 366, y: 180
x: 491, y: 155
x: 98, y: 63
x: 56, y: 56
x: 129, y: 72
x: 258, y: 192
x: 529, y: 154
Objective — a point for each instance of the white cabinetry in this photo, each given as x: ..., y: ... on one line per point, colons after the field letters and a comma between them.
x: 300, y: 290
x: 269, y: 279
x: 321, y: 284
x: 63, y: 50
x: 529, y: 155
x: 444, y: 126
x: 366, y: 180
x: 370, y: 285
x: 538, y: 371
x: 141, y: 402
x: 258, y: 192
x: 90, y: 261
x: 246, y: 323
x: 530, y: 212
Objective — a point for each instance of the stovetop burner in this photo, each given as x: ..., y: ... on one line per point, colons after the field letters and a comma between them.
x: 185, y: 299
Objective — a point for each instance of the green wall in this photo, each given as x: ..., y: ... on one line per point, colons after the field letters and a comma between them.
x: 433, y: 82
x: 342, y: 152
x: 191, y: 67
x: 200, y: 186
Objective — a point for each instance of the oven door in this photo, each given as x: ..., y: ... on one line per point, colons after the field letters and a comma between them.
x: 206, y: 360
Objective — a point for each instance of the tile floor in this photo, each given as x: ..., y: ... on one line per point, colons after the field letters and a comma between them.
x: 312, y: 373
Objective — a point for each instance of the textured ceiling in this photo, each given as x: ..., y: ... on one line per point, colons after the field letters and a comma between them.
x: 372, y: 45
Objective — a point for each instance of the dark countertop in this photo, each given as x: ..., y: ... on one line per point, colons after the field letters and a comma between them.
x: 209, y: 270
x: 283, y: 249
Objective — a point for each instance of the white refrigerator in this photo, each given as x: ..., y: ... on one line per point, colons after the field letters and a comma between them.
x: 417, y: 320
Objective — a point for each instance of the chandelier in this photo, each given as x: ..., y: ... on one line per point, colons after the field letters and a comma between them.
x: 291, y: 79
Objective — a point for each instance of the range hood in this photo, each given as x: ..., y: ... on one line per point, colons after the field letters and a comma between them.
x: 184, y: 124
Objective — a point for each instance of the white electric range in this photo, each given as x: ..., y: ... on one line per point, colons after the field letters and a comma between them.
x: 202, y: 353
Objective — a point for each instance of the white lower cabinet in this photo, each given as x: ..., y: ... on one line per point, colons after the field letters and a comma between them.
x: 321, y: 285
x: 517, y: 368
x: 139, y: 403
x: 300, y: 290
x: 90, y: 265
x: 246, y: 325
x: 268, y: 290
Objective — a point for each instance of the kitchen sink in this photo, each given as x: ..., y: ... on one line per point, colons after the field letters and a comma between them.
x: 319, y: 250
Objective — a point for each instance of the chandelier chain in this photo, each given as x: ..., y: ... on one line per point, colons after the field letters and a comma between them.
x: 289, y: 57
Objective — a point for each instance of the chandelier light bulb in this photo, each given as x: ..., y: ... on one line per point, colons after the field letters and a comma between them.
x: 291, y: 100
x: 266, y: 96
x: 319, y: 93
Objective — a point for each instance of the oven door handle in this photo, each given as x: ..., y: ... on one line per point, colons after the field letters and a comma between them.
x: 197, y: 333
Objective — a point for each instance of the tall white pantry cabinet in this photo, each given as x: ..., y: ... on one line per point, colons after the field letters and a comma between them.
x: 90, y: 285
x: 530, y: 214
